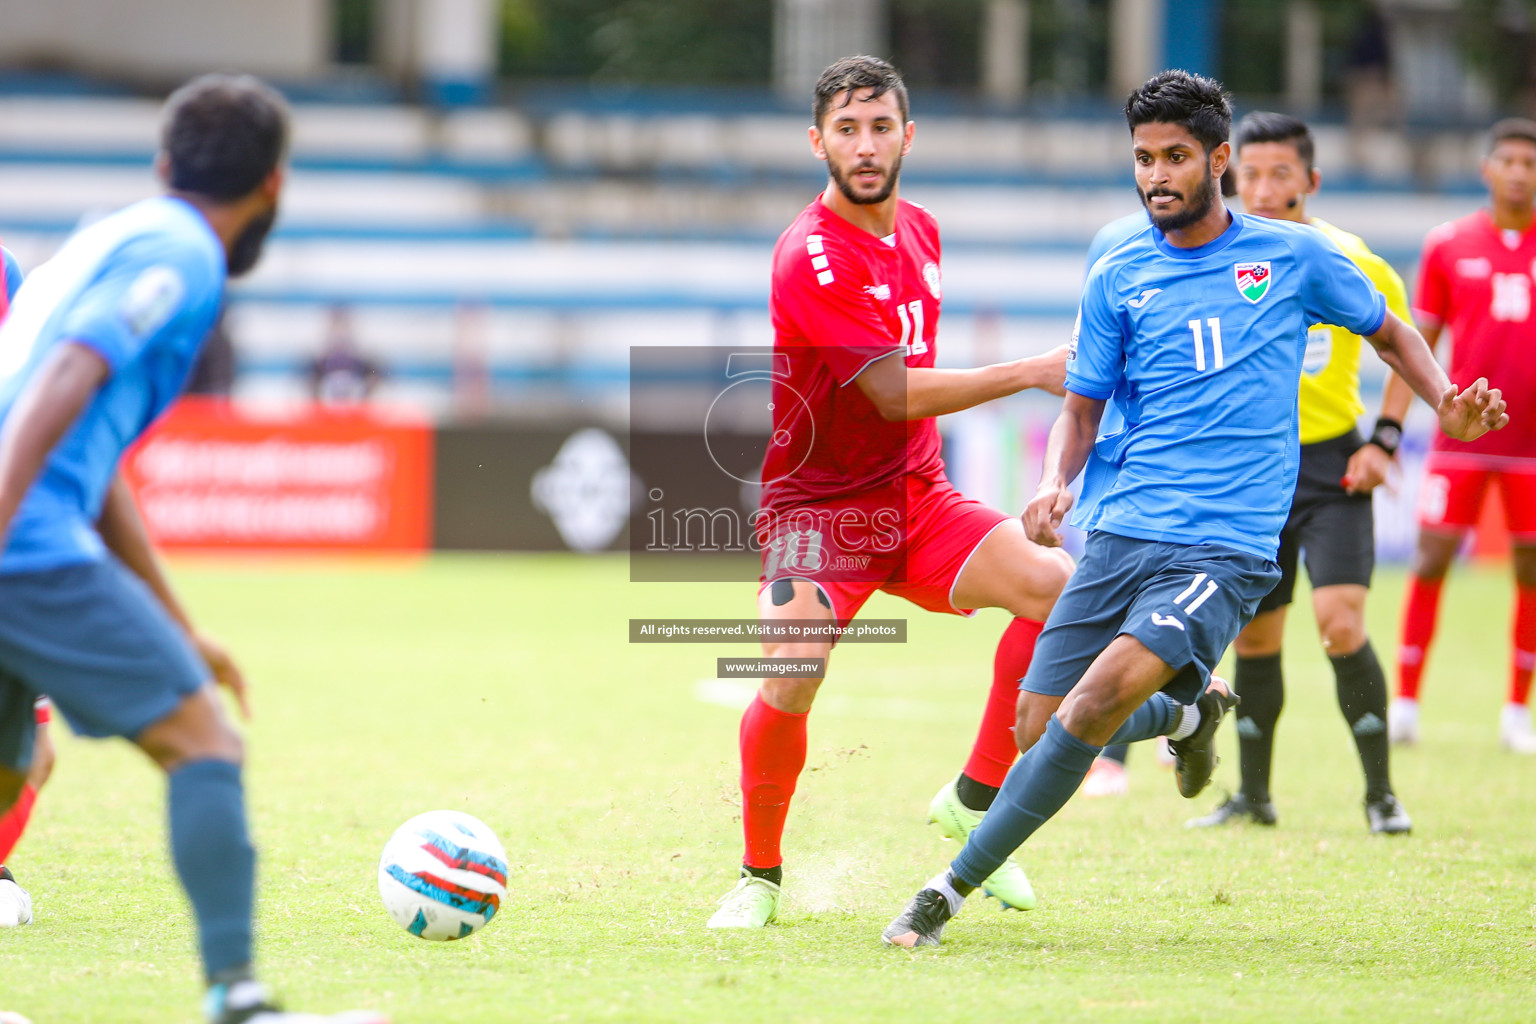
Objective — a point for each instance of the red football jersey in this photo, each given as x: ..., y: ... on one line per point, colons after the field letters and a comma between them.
x: 842, y: 299
x: 1478, y: 281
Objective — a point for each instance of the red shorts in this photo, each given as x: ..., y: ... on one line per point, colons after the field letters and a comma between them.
x: 1451, y: 496
x: 910, y: 540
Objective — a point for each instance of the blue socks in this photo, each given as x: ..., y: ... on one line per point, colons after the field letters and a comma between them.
x: 214, y: 858
x: 1157, y: 716
x: 1037, y: 786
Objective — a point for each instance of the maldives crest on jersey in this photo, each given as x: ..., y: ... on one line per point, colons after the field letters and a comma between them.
x: 1252, y: 280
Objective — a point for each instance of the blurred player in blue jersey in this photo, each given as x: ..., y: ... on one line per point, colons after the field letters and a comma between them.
x: 1200, y: 322
x: 15, y: 904
x: 11, y: 271
x: 100, y: 340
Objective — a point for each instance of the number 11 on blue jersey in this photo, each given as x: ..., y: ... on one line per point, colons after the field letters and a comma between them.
x: 1215, y: 324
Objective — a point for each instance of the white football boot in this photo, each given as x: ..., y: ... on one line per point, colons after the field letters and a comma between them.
x: 1403, y: 720
x: 15, y: 904
x: 1106, y: 777
x: 1515, y: 732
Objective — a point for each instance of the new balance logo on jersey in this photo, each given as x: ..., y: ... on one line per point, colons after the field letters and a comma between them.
x: 1144, y: 298
x: 881, y: 292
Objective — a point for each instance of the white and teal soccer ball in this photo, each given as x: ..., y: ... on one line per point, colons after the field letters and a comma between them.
x: 443, y: 875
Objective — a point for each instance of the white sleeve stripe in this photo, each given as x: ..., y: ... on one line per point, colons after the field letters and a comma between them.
x: 872, y: 361
x: 825, y: 277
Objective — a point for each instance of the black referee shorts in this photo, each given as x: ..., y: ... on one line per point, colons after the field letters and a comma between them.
x: 1332, y: 528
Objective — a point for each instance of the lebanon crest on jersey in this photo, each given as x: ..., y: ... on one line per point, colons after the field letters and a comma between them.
x: 1252, y: 280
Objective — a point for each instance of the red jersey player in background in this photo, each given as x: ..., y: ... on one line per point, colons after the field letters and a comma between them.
x: 1476, y: 281
x: 855, y: 495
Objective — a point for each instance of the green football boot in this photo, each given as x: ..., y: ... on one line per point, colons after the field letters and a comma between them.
x: 753, y: 903
x: 1008, y: 884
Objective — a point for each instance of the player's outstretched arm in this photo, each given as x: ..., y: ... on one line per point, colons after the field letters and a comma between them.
x: 1396, y: 395
x: 122, y: 529
x: 1371, y: 462
x: 901, y: 392
x: 49, y: 405
x: 1072, y: 437
x: 1369, y: 465
x: 1464, y: 416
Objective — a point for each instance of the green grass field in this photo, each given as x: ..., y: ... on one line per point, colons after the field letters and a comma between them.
x: 503, y: 686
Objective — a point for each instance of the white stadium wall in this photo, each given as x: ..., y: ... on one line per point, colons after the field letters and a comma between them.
x: 168, y: 38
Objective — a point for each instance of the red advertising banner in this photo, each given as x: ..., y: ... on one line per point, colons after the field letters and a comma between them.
x: 212, y: 476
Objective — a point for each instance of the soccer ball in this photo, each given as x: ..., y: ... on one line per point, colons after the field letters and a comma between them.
x: 442, y: 875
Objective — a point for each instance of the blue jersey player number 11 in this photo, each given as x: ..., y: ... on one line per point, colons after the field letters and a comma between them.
x: 1207, y: 341
x: 1197, y: 326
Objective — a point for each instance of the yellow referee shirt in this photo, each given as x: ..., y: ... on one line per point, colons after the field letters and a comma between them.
x: 1330, y: 370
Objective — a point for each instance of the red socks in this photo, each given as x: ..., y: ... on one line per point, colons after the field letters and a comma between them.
x: 1419, y: 628
x: 996, y: 747
x: 14, y: 822
x: 1419, y: 613
x: 1525, y: 645
x: 772, y: 755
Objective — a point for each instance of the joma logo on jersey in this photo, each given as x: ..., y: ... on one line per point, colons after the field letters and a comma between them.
x: 1252, y: 280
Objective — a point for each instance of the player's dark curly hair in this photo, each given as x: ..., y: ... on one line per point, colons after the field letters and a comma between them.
x: 1269, y: 126
x: 1179, y: 97
x: 222, y: 135
x: 861, y: 72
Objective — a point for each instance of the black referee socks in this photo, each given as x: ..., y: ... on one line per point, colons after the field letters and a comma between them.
x: 1362, y: 687
x: 1259, y: 682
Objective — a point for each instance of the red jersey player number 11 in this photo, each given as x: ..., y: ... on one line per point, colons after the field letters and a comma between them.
x: 855, y: 496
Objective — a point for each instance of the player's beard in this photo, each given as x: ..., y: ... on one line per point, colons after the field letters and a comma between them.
x: 246, y: 251
x: 1196, y: 206
x: 846, y: 187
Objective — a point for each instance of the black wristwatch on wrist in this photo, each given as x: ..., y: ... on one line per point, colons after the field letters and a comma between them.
x: 1387, y: 435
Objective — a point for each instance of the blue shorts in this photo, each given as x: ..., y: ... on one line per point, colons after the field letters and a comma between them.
x: 1184, y: 602
x: 95, y: 639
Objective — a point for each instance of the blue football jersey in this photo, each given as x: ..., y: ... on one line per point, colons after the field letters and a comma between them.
x: 1119, y: 230
x: 12, y: 274
x: 141, y: 287
x: 1099, y: 475
x: 1203, y: 349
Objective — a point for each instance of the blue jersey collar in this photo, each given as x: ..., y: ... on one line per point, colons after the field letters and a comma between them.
x: 1215, y: 245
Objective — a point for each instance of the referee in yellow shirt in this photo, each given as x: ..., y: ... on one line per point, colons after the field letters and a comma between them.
x: 1330, y: 524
